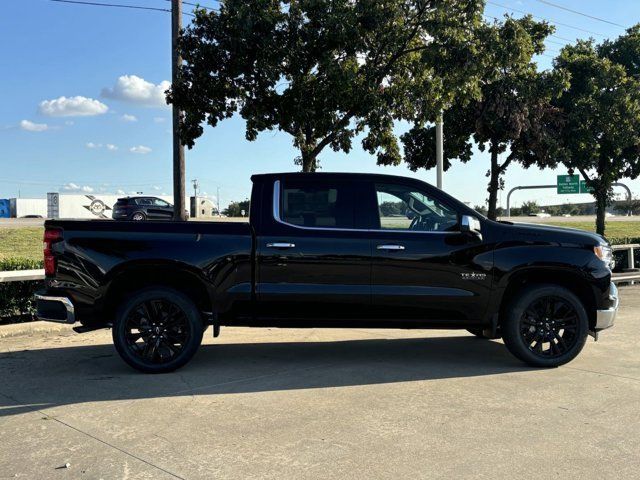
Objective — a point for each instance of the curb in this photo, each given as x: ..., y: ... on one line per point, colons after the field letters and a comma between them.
x: 34, y: 328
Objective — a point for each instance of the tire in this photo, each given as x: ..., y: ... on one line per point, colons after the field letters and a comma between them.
x: 545, y: 326
x: 479, y: 332
x: 157, y: 330
x: 138, y: 217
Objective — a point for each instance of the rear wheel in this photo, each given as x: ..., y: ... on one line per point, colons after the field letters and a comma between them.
x: 157, y: 330
x: 546, y: 326
x: 138, y: 217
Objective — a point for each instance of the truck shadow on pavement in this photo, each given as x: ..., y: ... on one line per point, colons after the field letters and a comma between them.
x: 45, y: 378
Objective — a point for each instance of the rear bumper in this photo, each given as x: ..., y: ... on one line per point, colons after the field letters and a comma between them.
x: 606, y: 317
x: 55, y: 309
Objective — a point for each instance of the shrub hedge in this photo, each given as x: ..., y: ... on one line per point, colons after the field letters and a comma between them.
x: 16, y: 298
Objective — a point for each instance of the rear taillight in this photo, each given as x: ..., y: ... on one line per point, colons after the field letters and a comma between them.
x: 51, y: 236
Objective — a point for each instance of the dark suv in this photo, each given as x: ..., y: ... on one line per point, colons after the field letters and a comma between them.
x: 142, y: 208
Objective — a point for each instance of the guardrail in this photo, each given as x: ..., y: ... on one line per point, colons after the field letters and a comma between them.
x: 21, y: 275
x: 26, y: 275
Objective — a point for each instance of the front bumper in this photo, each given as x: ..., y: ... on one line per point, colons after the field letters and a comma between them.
x: 606, y: 317
x: 55, y: 309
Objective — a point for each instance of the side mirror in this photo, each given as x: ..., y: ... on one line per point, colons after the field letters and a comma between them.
x: 469, y: 224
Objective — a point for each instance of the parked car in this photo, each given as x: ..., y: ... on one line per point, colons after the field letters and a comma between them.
x: 318, y: 253
x: 142, y: 208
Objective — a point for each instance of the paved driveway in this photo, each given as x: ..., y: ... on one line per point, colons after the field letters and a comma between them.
x: 322, y: 404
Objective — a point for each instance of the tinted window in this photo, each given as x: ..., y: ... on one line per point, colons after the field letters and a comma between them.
x: 321, y: 205
x: 402, y: 207
x: 143, y: 201
x: 158, y: 202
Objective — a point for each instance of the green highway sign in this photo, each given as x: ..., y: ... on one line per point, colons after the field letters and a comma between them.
x: 584, y: 188
x: 568, y: 184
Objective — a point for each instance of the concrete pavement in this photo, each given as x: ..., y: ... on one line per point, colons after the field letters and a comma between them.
x: 330, y: 404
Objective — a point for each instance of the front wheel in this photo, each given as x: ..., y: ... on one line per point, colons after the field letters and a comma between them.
x: 157, y: 330
x: 138, y: 217
x: 545, y: 326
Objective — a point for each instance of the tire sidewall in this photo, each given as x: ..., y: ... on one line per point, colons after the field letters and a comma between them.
x: 144, y: 217
x: 516, y: 344
x: 193, y: 318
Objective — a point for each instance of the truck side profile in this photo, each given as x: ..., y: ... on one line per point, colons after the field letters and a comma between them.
x: 330, y: 250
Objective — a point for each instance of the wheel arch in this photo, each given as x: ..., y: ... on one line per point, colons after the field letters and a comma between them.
x: 131, y: 278
x: 571, y: 280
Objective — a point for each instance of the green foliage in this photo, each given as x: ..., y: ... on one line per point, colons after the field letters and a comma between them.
x: 388, y: 209
x: 512, y: 113
x: 324, y: 71
x: 529, y: 208
x: 601, y: 132
x: 235, y: 209
x: 481, y: 209
x: 16, y: 298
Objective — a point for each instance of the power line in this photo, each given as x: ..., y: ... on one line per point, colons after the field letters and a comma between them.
x: 561, y: 7
x: 568, y: 40
x: 546, y: 19
x: 118, y: 5
x: 197, y: 5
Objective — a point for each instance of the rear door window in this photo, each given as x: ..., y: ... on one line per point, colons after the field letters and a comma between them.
x: 318, y: 204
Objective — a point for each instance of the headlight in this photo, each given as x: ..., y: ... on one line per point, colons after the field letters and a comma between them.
x: 604, y: 253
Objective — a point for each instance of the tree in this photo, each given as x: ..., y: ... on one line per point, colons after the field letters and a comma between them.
x: 481, y: 209
x: 322, y: 71
x: 529, y: 208
x: 513, y: 112
x: 601, y: 131
x: 235, y: 209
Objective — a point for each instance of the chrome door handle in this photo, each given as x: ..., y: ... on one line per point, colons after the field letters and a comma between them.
x: 390, y: 247
x: 281, y: 245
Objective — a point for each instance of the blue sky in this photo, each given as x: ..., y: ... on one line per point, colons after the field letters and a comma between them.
x: 116, y: 138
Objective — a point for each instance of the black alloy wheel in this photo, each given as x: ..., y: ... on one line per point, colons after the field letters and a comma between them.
x: 545, y: 325
x: 157, y: 330
x: 549, y: 326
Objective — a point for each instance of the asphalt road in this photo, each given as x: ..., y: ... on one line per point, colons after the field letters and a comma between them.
x: 329, y: 404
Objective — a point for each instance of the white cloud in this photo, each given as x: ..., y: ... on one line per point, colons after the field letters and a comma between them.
x: 72, y: 107
x: 69, y: 122
x: 141, y: 149
x: 109, y: 146
x: 156, y: 187
x: 121, y: 192
x: 129, y: 118
x: 133, y: 89
x: 159, y: 119
x: 72, y: 187
x: 33, y: 127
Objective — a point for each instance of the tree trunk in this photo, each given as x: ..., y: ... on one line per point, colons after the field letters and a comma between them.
x: 494, y: 184
x: 601, y: 204
x: 308, y: 157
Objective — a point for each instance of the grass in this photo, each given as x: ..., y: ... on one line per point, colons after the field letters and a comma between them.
x: 616, y: 232
x: 27, y: 242
x: 21, y: 243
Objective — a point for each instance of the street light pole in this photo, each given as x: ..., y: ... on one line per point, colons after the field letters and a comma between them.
x: 178, y: 148
x: 439, y: 150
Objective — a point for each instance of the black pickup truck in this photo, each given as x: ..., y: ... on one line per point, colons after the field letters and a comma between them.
x: 330, y: 250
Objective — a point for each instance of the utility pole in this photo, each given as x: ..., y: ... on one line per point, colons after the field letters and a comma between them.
x: 439, y: 148
x: 196, y: 186
x: 178, y: 148
x: 218, y: 199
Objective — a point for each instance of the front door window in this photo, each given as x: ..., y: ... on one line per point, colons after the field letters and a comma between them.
x: 402, y: 207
